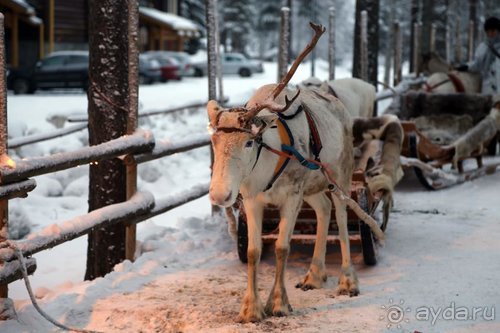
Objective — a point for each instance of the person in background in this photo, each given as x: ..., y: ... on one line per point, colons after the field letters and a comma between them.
x: 487, y: 58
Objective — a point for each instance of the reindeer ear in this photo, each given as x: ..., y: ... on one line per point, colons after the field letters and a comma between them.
x: 213, y: 110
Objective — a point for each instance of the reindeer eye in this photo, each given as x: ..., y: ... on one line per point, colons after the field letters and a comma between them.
x: 249, y: 144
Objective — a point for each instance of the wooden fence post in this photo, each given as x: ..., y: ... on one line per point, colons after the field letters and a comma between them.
x: 6, y: 305
x: 398, y: 50
x: 458, y: 44
x: 432, y: 46
x: 112, y: 97
x: 470, y: 41
x: 364, y: 46
x: 133, y: 109
x: 283, y: 45
x: 211, y: 50
x: 448, y: 44
x: 417, y: 27
x: 331, y: 44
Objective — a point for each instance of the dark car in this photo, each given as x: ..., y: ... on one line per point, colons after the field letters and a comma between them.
x: 64, y: 69
x: 68, y: 69
x: 149, y: 70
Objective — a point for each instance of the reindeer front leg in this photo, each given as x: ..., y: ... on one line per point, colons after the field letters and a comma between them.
x: 316, y: 275
x: 348, y: 281
x: 252, y: 309
x: 277, y: 303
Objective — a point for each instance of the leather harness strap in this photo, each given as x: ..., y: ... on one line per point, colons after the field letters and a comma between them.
x: 457, y: 83
x: 287, y: 144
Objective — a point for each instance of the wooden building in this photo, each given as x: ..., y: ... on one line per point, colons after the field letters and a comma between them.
x: 34, y: 28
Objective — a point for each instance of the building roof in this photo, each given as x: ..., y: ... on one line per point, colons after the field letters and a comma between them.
x: 25, y: 9
x: 183, y: 26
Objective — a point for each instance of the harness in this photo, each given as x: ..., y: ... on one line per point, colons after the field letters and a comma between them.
x: 454, y: 79
x: 288, y: 151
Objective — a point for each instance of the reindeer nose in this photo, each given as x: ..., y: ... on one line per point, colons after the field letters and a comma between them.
x: 217, y: 200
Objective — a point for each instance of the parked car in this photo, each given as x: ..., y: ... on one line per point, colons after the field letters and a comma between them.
x: 68, y: 69
x: 232, y: 63
x: 183, y: 59
x: 170, y: 68
x: 63, y: 69
x: 149, y: 69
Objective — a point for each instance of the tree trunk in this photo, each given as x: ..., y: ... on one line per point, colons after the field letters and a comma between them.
x: 414, y: 19
x: 372, y: 8
x: 427, y: 20
x: 112, y: 111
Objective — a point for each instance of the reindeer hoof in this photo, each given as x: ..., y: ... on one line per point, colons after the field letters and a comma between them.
x: 348, y: 283
x: 251, y: 312
x: 312, y: 280
x: 281, y: 311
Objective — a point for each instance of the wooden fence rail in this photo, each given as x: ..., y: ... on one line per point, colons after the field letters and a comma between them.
x: 141, y: 141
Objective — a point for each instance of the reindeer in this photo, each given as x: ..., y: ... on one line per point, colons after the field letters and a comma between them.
x: 357, y: 95
x: 443, y: 79
x: 257, y: 153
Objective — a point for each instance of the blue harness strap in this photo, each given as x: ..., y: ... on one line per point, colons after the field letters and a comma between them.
x: 288, y: 147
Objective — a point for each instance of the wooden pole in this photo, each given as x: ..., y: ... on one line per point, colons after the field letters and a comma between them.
x: 41, y: 46
x: 15, y: 40
x: 416, y: 47
x: 51, y: 25
x: 458, y: 44
x: 331, y: 44
x: 470, y: 42
x: 432, y: 46
x: 448, y: 44
x: 210, y: 13
x: 6, y: 305
x: 284, y: 41
x: 211, y: 49
x: 112, y: 100
x: 133, y: 109
x: 398, y: 50
x: 218, y: 56
x: 364, y: 46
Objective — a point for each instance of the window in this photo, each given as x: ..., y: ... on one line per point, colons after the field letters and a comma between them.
x: 78, y: 60
x: 54, y: 61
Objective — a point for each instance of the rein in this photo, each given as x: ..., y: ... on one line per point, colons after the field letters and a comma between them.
x: 455, y: 80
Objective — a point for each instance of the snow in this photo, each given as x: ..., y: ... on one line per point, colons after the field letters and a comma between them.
x: 441, y: 247
x: 176, y: 22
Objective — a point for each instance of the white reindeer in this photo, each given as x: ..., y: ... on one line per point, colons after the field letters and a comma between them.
x: 247, y: 147
x: 443, y: 79
x: 357, y: 95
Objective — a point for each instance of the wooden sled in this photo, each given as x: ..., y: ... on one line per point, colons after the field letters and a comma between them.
x: 440, y: 165
x: 305, y: 227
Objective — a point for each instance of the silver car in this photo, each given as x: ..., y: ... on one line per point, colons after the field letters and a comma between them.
x: 232, y: 63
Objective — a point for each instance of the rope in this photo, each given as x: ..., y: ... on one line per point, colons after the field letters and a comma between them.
x: 32, y: 297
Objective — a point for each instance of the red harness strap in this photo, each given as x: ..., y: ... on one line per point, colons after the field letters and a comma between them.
x: 457, y: 83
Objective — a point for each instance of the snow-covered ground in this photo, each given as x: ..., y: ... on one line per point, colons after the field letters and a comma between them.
x: 440, y: 259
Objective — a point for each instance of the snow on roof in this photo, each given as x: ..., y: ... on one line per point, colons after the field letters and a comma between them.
x: 26, y: 9
x: 176, y: 22
x: 22, y: 3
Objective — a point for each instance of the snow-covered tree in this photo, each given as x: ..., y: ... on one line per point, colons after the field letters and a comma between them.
x: 236, y: 22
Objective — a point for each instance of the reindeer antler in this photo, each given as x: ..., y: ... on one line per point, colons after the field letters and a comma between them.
x: 318, y: 31
x: 269, y: 101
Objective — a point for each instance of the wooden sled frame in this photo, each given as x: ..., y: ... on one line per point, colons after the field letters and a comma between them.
x: 428, y: 158
x: 305, y: 227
